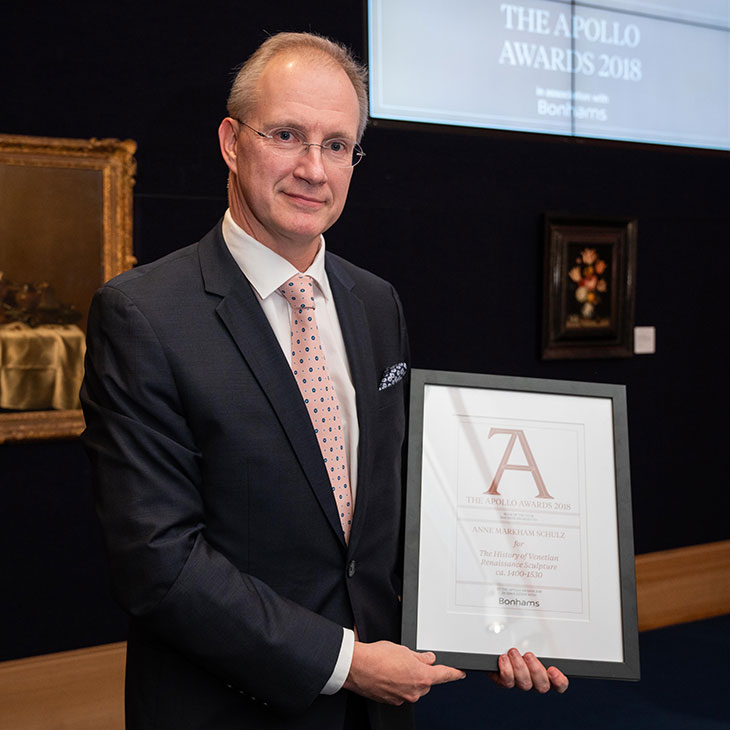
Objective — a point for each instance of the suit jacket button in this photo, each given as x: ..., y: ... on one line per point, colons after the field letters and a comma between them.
x: 351, y: 569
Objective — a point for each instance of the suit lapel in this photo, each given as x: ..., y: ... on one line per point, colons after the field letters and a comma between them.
x: 241, y: 313
x: 356, y: 334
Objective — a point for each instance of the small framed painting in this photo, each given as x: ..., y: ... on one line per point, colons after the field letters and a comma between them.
x: 589, y: 287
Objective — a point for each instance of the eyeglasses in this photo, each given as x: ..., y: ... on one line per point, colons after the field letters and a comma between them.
x: 289, y: 142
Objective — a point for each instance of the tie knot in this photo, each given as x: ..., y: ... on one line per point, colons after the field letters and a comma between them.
x: 299, y: 291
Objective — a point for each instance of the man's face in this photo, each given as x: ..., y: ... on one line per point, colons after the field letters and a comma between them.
x: 287, y: 202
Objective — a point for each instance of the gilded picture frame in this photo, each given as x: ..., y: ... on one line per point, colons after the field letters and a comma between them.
x: 589, y: 287
x: 65, y: 218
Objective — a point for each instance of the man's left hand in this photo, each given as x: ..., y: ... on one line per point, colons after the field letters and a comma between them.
x: 528, y: 672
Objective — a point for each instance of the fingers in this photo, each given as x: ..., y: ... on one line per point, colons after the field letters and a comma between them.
x: 558, y: 680
x: 443, y: 674
x: 513, y: 671
x: 528, y: 672
x: 538, y: 676
x: 505, y: 677
x: 394, y: 674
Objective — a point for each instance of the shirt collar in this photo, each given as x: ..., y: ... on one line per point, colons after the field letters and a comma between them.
x: 264, y: 268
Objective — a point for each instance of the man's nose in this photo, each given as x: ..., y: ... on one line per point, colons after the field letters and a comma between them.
x: 311, y: 164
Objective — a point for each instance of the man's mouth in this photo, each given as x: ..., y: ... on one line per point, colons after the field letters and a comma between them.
x: 307, y: 201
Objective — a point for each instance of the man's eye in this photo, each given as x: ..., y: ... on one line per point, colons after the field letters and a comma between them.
x: 338, y: 146
x: 284, y: 136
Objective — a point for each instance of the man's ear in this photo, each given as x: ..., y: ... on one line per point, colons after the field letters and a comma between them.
x: 228, y: 137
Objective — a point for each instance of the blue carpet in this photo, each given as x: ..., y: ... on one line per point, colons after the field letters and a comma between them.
x: 685, y: 685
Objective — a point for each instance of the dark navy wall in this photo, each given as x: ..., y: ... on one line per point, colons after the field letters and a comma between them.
x: 458, y: 210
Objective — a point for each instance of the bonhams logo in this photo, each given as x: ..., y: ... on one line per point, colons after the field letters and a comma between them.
x: 518, y: 602
x: 531, y: 466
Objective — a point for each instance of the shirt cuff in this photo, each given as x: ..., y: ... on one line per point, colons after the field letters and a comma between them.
x: 342, y: 665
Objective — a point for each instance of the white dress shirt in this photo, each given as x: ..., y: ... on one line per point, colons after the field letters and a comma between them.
x: 267, y: 271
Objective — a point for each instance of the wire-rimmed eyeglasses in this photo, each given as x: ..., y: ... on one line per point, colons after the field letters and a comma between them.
x: 290, y: 142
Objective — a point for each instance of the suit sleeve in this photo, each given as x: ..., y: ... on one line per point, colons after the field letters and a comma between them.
x: 147, y: 489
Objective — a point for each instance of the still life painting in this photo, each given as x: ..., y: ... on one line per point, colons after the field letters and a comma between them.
x: 65, y: 228
x: 588, y: 287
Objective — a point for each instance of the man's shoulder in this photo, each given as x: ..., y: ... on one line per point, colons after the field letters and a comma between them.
x: 177, y: 272
x: 167, y: 267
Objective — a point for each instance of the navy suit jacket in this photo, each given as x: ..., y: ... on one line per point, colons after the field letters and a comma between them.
x: 223, y: 539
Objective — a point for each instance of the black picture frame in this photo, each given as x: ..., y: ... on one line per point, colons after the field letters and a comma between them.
x: 423, y: 510
x: 589, y: 287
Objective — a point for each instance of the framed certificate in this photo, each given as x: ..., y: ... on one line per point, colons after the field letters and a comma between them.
x: 518, y: 524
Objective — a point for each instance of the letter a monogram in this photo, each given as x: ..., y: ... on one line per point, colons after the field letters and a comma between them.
x: 531, y: 466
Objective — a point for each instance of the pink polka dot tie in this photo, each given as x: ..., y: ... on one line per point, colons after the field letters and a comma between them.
x: 310, y: 370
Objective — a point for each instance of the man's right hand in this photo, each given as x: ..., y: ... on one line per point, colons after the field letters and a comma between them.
x: 392, y: 673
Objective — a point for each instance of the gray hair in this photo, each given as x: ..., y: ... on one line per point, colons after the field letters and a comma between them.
x: 243, y: 95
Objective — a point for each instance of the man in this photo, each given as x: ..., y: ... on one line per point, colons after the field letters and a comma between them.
x: 253, y: 528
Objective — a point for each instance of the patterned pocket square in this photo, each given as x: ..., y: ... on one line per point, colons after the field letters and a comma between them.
x: 392, y: 374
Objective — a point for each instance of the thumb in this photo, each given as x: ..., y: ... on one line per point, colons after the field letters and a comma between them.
x: 427, y: 657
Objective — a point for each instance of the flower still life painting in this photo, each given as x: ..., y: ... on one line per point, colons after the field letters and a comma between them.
x: 588, y: 287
